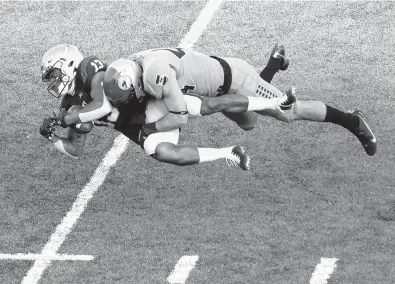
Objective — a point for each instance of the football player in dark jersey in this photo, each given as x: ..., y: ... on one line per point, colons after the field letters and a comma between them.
x: 78, y: 80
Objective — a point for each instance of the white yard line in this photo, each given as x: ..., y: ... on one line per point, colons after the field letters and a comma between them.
x: 200, y: 24
x: 120, y: 144
x: 65, y: 227
x: 182, y: 269
x: 323, y: 271
x: 34, y: 256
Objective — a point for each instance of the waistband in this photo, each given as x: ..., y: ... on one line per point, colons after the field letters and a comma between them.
x: 224, y: 89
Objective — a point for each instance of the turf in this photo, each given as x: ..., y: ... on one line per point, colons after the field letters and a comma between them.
x: 312, y: 191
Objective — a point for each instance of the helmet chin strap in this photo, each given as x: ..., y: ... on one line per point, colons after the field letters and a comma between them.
x: 71, y: 86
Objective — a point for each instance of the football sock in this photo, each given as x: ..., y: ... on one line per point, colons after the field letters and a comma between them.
x: 344, y: 119
x: 272, y: 67
x: 257, y: 103
x: 212, y: 154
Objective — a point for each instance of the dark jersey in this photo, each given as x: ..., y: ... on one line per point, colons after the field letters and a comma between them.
x: 131, y: 118
x: 88, y: 67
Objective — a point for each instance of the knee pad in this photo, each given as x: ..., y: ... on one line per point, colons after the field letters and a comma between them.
x: 155, y: 139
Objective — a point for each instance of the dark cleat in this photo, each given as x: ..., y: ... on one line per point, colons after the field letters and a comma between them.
x: 364, y: 134
x: 239, y: 158
x: 279, y: 53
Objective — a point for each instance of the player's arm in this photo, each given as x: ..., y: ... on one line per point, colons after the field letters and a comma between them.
x: 98, y: 108
x: 72, y: 146
x: 173, y: 98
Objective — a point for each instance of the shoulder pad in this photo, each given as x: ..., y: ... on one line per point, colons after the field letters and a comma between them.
x: 89, y: 66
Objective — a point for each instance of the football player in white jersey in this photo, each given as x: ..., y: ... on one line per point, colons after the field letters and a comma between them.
x: 160, y: 72
x: 127, y: 83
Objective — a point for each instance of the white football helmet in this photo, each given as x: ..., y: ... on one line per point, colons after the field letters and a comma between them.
x: 123, y: 82
x: 58, y: 67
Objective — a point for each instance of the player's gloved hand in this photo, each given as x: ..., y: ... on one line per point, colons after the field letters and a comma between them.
x: 47, y: 129
x: 58, y: 119
x: 145, y: 131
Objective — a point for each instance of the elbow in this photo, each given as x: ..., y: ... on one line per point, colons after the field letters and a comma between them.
x: 106, y: 108
x: 76, y: 153
x: 183, y: 120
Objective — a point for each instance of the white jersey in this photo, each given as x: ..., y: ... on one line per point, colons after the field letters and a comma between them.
x: 196, y: 72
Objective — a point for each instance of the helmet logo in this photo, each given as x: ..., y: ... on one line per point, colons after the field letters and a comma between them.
x: 125, y: 83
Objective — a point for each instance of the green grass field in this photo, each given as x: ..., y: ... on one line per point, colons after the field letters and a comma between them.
x: 312, y: 191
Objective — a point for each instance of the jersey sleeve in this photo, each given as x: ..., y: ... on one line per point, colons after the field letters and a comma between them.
x: 157, y: 67
x: 155, y: 76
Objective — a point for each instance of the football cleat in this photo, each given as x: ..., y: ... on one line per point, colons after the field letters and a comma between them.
x: 364, y: 133
x: 238, y: 157
x: 279, y: 53
x: 287, y: 101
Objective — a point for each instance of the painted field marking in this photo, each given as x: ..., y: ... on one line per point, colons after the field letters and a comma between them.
x: 43, y: 261
x: 323, y: 270
x: 200, y: 23
x: 65, y: 227
x: 34, y: 256
x: 182, y: 269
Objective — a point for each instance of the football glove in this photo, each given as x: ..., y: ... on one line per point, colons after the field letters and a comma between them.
x: 47, y: 129
x: 58, y: 119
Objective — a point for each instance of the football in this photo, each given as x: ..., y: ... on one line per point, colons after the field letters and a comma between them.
x: 84, y: 127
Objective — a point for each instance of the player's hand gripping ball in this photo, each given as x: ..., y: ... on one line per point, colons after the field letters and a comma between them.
x: 46, y: 129
x: 84, y: 127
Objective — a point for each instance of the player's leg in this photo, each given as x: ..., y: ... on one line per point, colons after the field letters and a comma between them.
x: 277, y: 61
x: 352, y: 121
x: 245, y: 83
x: 163, y: 147
x: 317, y: 110
x: 233, y: 105
x: 202, y: 106
x: 73, y: 145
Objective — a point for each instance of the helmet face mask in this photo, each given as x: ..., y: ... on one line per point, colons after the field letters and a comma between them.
x: 57, y: 80
x: 58, y: 69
